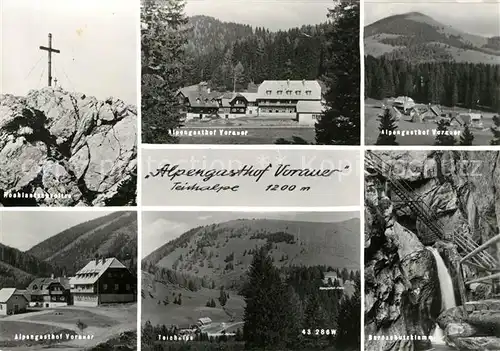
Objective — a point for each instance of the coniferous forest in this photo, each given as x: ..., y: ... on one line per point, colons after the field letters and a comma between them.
x: 178, y: 52
x: 474, y: 86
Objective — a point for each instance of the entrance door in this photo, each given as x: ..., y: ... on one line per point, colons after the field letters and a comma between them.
x: 16, y: 309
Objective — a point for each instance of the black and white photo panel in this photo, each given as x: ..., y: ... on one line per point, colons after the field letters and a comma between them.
x: 432, y: 250
x: 68, y: 280
x: 250, y: 72
x: 68, y: 103
x: 432, y: 72
x: 250, y: 280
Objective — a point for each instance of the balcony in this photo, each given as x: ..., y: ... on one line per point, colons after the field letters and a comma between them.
x: 283, y: 103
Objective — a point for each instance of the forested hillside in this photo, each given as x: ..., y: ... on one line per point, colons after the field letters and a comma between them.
x: 467, y: 85
x: 18, y: 268
x: 221, y: 51
x: 417, y: 38
x: 112, y: 235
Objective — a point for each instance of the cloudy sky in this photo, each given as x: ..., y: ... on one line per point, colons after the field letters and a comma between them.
x: 162, y: 227
x: 272, y: 14
x: 97, y: 39
x: 25, y: 229
x: 472, y: 16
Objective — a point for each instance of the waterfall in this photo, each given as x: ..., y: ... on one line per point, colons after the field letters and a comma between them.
x: 447, y: 293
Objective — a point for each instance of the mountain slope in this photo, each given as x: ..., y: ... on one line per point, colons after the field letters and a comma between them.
x: 223, y: 251
x: 207, y: 34
x: 420, y: 38
x: 18, y: 268
x: 111, y: 235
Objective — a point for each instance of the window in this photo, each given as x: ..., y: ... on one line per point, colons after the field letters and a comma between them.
x: 280, y: 92
x: 308, y: 92
x: 117, y: 287
x: 1, y: 306
x: 288, y: 92
x: 268, y: 92
x: 35, y: 287
x: 127, y: 287
x: 297, y: 92
x: 105, y: 287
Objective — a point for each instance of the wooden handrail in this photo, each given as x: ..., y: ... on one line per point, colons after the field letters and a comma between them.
x: 486, y: 269
x: 481, y: 248
x: 482, y: 279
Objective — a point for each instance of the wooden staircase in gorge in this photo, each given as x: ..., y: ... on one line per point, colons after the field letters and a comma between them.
x: 473, y: 255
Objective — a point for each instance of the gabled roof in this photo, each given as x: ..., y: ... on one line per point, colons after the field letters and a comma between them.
x: 7, y: 293
x: 274, y: 86
x: 437, y: 111
x: 205, y: 320
x: 403, y: 99
x: 309, y: 107
x: 251, y: 97
x: 93, y: 271
x: 197, y: 98
x: 46, y: 282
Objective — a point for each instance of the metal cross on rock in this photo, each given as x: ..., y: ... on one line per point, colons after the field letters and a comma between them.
x: 50, y: 50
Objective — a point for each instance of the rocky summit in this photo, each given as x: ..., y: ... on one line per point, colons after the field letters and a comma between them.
x: 60, y: 148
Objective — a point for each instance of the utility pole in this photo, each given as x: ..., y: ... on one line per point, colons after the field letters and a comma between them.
x: 50, y: 50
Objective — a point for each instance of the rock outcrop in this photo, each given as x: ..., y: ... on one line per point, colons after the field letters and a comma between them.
x: 67, y: 149
x: 473, y: 326
x: 402, y: 289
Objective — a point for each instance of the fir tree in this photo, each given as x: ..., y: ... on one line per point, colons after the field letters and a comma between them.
x: 387, y: 126
x: 222, y: 296
x: 442, y: 138
x: 163, y: 39
x: 496, y: 131
x: 349, y: 320
x: 467, y: 137
x: 269, y: 321
x: 340, y: 123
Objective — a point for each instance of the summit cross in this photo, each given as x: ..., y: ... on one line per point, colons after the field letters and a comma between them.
x: 50, y: 50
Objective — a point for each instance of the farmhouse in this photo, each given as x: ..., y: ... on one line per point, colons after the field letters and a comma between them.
x: 403, y: 103
x: 12, y: 301
x: 104, y: 280
x: 280, y: 97
x: 252, y: 107
x: 332, y: 277
x: 309, y: 112
x: 424, y: 113
x: 199, y: 104
x: 204, y: 321
x: 49, y: 292
x: 475, y: 120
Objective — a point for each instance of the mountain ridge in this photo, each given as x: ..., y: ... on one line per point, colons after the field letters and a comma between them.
x: 222, y: 251
x: 403, y: 36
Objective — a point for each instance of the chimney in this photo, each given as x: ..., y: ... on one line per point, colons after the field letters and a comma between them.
x: 303, y: 82
x: 96, y: 260
x: 208, y: 90
x: 52, y: 276
x: 288, y: 82
x: 103, y: 259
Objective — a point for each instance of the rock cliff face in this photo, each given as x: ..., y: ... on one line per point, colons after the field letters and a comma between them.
x: 402, y: 287
x: 67, y: 149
